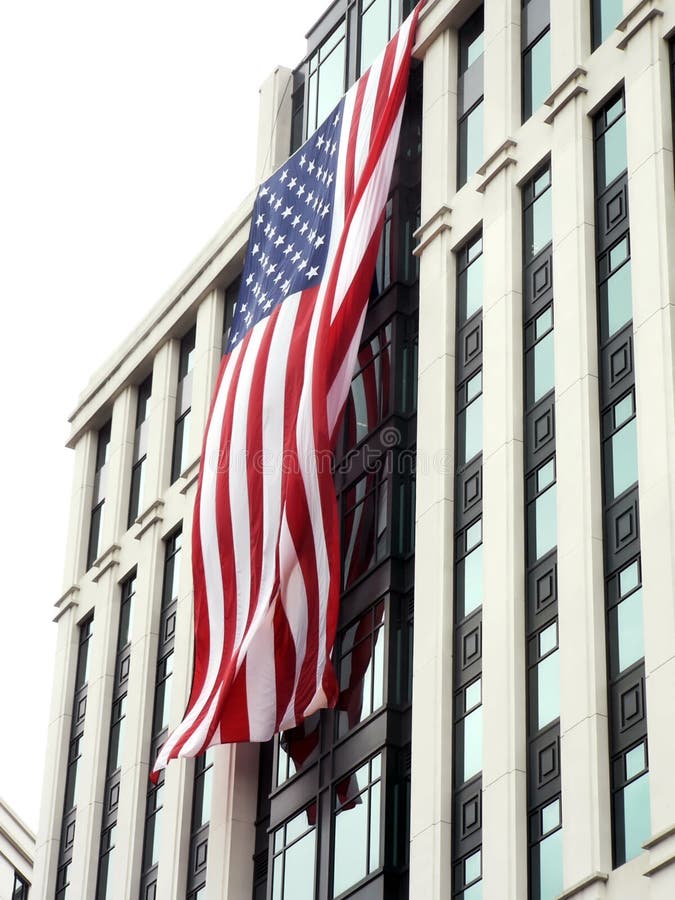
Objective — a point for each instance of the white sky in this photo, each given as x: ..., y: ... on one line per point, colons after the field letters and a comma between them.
x: 128, y: 135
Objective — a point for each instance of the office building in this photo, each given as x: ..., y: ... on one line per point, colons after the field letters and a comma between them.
x: 506, y: 486
x: 17, y: 850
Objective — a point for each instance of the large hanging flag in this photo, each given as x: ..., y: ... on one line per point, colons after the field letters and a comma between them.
x: 265, y: 541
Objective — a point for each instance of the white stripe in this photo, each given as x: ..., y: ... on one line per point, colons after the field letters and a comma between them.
x: 294, y: 598
x: 365, y: 130
x: 261, y: 689
x: 340, y: 387
x: 210, y: 554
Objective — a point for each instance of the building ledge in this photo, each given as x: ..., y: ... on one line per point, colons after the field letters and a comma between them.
x: 643, y: 11
x: 661, y: 848
x: 190, y: 475
x: 66, y: 600
x: 436, y: 224
x: 107, y: 560
x: 149, y: 517
x: 576, y: 889
x: 570, y: 87
x: 497, y: 161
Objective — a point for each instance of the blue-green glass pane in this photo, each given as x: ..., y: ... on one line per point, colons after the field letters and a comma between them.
x: 536, y: 75
x: 544, y: 367
x: 351, y: 846
x: 630, y: 631
x: 545, y: 517
x: 548, y: 689
x: 612, y: 160
x: 610, y: 13
x: 623, y: 448
x: 471, y: 430
x: 374, y: 31
x: 550, y: 866
x: 375, y: 809
x: 635, y: 761
x: 473, y: 744
x: 472, y: 867
x: 550, y: 817
x: 470, y: 582
x: 540, y: 231
x: 474, y: 287
x: 617, y: 297
x: 475, y: 892
x: 470, y: 143
x: 637, y: 824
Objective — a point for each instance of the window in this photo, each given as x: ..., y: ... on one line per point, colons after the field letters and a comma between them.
x: 468, y: 877
x: 631, y: 803
x: 360, y: 668
x: 539, y: 358
x: 546, y: 853
x: 140, y: 451
x: 610, y: 144
x: 160, y: 717
x: 181, y: 437
x: 614, y: 289
x: 379, y: 21
x: 538, y: 228
x: 106, y: 880
x: 356, y: 848
x: 620, y: 460
x: 231, y: 297
x: 326, y: 71
x: 470, y: 571
x: 470, y: 419
x: 547, y: 676
x: 542, y: 525
x: 294, y: 860
x: 20, y: 889
x: 626, y: 629
x: 365, y: 530
x: 96, y: 523
x: 201, y: 815
x: 605, y: 16
x: 470, y: 280
x: 470, y: 109
x: 536, y: 55
x: 369, y: 401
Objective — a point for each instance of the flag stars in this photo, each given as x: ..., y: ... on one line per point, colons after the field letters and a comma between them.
x: 319, y: 173
x: 309, y: 198
x: 273, y: 231
x: 284, y: 176
x: 287, y: 212
x: 268, y: 306
x: 303, y: 161
x: 296, y: 221
x: 256, y: 248
x: 320, y: 241
x: 280, y: 275
x: 289, y: 249
x: 279, y: 241
x: 311, y: 167
x: 259, y: 220
x: 336, y: 119
x: 330, y: 180
x: 333, y: 149
x: 249, y: 280
x: 273, y: 197
x: 264, y: 191
x: 278, y: 203
x: 320, y: 142
x: 301, y: 190
x: 302, y: 265
x: 296, y: 256
x: 311, y: 236
x: 312, y: 273
x: 305, y: 227
x: 326, y: 210
x: 271, y: 269
x: 292, y: 183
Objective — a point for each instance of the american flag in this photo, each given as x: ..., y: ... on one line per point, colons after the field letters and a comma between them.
x: 265, y: 545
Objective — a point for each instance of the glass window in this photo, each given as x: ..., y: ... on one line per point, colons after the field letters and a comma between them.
x: 357, y: 826
x: 536, y: 74
x: 606, y: 15
x: 153, y: 827
x: 20, y: 890
x: 540, y: 363
x: 470, y: 133
x: 633, y: 802
x: 369, y: 400
x: 623, y: 463
x: 116, y: 735
x: 548, y: 689
x: 544, y: 528
x: 95, y: 529
x: 361, y: 669
x: 472, y: 725
x: 326, y: 78
x: 626, y: 623
x: 104, y: 887
x: 470, y: 421
x: 181, y: 442
x: 470, y: 582
x: 538, y: 219
x: 294, y: 860
x: 550, y: 866
x: 471, y: 288
x: 163, y: 694
x: 374, y: 31
x: 611, y: 153
x: 616, y: 306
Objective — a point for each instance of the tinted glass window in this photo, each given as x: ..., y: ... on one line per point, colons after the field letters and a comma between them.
x: 634, y: 800
x: 545, y: 527
x: 538, y: 229
x: 611, y: 153
x: 550, y: 866
x: 470, y: 143
x: 606, y: 16
x: 536, y: 75
x: 623, y: 456
x: 470, y: 582
x: 548, y: 689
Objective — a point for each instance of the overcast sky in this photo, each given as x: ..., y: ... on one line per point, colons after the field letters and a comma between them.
x: 128, y: 136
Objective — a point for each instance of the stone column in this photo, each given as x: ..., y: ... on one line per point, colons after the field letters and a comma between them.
x: 274, y: 122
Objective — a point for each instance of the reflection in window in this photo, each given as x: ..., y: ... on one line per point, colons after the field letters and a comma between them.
x: 294, y: 861
x: 370, y: 396
x: 379, y: 21
x: 297, y: 747
x: 610, y: 156
x: 153, y: 821
x: 357, y: 826
x: 360, y: 665
x: 325, y: 78
x: 538, y: 217
x: 365, y: 521
x: 20, y: 889
x: 536, y: 74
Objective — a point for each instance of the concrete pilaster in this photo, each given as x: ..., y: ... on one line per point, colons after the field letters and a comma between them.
x: 274, y: 128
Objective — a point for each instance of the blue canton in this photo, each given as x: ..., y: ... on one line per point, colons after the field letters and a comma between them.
x: 290, y: 229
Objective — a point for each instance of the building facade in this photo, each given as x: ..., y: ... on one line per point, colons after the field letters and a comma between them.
x: 506, y: 487
x: 17, y: 851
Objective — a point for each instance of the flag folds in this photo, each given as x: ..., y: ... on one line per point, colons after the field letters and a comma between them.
x: 265, y: 541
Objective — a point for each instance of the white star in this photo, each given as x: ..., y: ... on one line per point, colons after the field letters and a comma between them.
x: 330, y: 179
x: 302, y: 265
x: 325, y: 210
x: 284, y: 176
x: 259, y: 220
x: 234, y: 339
x: 292, y: 183
x: 256, y: 290
x: 309, y: 198
x: 320, y: 142
x: 295, y: 257
x: 271, y: 269
x: 303, y: 160
x: 273, y: 231
x: 301, y: 190
x: 336, y: 119
x: 267, y: 228
x: 325, y: 176
x: 244, y: 308
x: 315, y: 204
x: 326, y: 149
x: 263, y: 191
x: 313, y: 272
x: 320, y: 208
x: 287, y: 212
x: 285, y: 286
x: 249, y: 280
x: 273, y: 197
x: 263, y: 297
x: 278, y: 203
x: 280, y: 275
x: 256, y: 247
x: 333, y: 149
x: 268, y: 306
x: 311, y: 166
x: 319, y: 173
x: 320, y: 241
x: 304, y: 228
x: 289, y: 249
x: 311, y: 237
x: 295, y: 221
x: 279, y: 241
x: 249, y: 318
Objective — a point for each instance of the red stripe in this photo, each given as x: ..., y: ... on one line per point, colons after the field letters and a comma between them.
x: 350, y: 161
